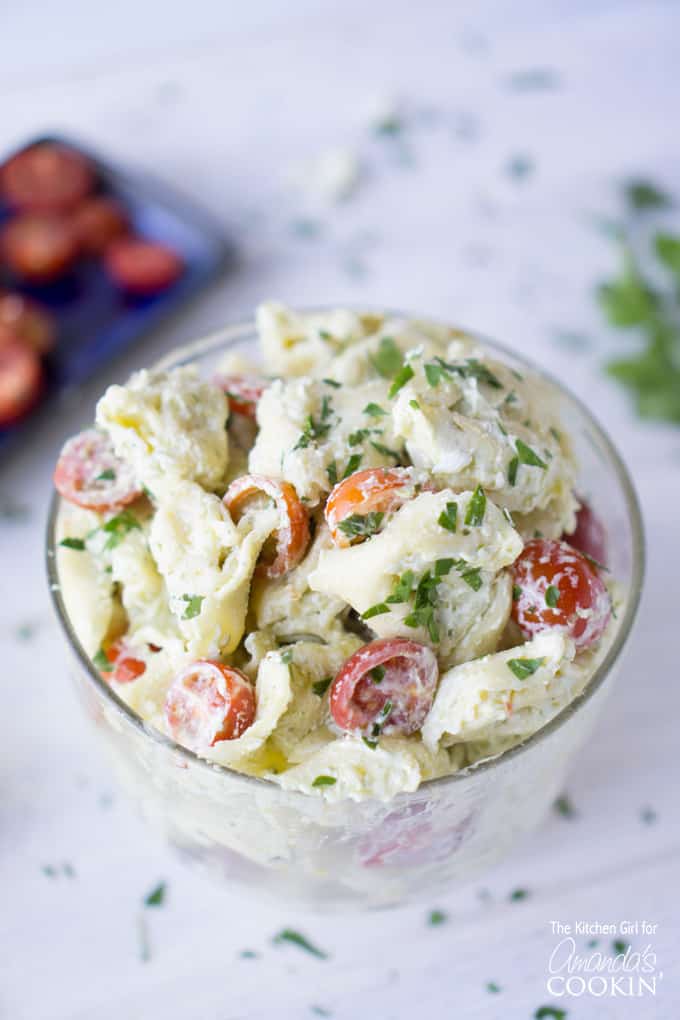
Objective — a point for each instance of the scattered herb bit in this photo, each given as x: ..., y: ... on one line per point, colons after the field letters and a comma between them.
x: 527, y: 456
x: 312, y: 431
x: 437, y: 917
x: 382, y: 718
x: 156, y: 897
x: 287, y: 656
x: 512, y: 470
x: 414, y: 404
x: 388, y: 359
x: 668, y: 250
x: 248, y: 954
x: 378, y: 674
x: 325, y: 335
x: 648, y: 815
x: 332, y: 382
x: 389, y: 125
x: 564, y: 806
x: 109, y: 475
x: 550, y: 1013
x: 118, y: 527
x: 519, y: 167
x: 519, y: 894
x: 324, y: 781
x: 296, y: 939
x: 307, y: 229
x: 533, y: 79
x: 404, y: 374
x: 374, y: 410
x: 385, y: 450
x: 493, y: 988
x: 448, y: 518
x: 476, y: 508
x: 443, y: 567
x: 352, y: 464
x: 26, y: 631
x: 522, y: 668
x: 102, y: 662
x: 326, y: 408
x: 320, y: 1011
x: 552, y: 596
x: 472, y: 578
x: 402, y: 589
x: 516, y: 592
x: 321, y: 686
x: 354, y: 438
x: 641, y: 194
x: 193, y: 606
x: 433, y: 373
x: 620, y: 946
x: 332, y: 472
x: 591, y: 943
x: 73, y: 543
x: 378, y: 610
x: 361, y: 525
x: 370, y: 743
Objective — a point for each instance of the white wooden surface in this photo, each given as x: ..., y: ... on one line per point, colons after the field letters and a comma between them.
x: 222, y: 101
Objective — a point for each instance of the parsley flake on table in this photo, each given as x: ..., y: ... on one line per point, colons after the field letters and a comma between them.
x: 522, y: 668
x: 564, y: 806
x: 519, y: 894
x: 295, y: 938
x: 550, y: 1013
x: 156, y: 897
x: 437, y: 917
x: 620, y: 947
x: 642, y: 194
x: 493, y: 988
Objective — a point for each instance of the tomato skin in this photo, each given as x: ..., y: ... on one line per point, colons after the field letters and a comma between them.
x: 371, y: 490
x: 142, y: 267
x: 21, y: 381
x: 243, y: 393
x: 46, y: 177
x: 583, y: 607
x: 24, y: 320
x: 292, y: 535
x: 124, y: 668
x: 209, y: 702
x: 98, y: 221
x: 39, y: 247
x: 82, y: 460
x: 589, y: 536
x: 409, y: 680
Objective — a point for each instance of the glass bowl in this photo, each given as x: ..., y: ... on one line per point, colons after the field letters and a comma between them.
x: 368, y: 853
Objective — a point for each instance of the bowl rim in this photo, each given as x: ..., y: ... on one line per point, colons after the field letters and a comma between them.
x: 246, y: 330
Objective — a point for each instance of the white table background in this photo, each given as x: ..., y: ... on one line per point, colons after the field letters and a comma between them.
x: 222, y: 99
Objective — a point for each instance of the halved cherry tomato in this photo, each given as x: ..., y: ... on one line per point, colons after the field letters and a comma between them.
x: 124, y: 668
x: 98, y: 221
x: 589, y: 536
x: 243, y: 392
x: 25, y: 321
x: 39, y: 246
x: 386, y: 687
x: 142, y: 267
x: 21, y: 381
x: 558, y: 588
x: 208, y: 702
x: 374, y: 490
x: 46, y: 177
x: 292, y: 535
x: 89, y: 474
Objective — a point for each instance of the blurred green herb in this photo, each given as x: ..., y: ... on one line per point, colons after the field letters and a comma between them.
x: 293, y: 937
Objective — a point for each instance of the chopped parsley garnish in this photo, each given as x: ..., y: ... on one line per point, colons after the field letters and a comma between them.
x: 493, y: 988
x: 522, y: 668
x: 641, y: 194
x: 519, y: 894
x: 552, y: 596
x: 436, y: 918
x: 73, y: 543
x: 512, y: 470
x: 109, y: 475
x: 425, y: 600
x: 332, y: 382
x: 476, y: 508
x: 374, y: 410
x: 312, y: 431
x: 156, y: 897
x: 414, y: 404
x: 527, y: 456
x: 324, y: 781
x: 378, y: 610
x: 352, y: 464
x: 321, y: 686
x: 404, y: 374
x: 550, y: 1013
x: 101, y: 661
x: 296, y: 939
x: 332, y: 472
x: 354, y: 438
x: 516, y: 592
x: 443, y: 567
x: 361, y: 525
x: 433, y: 373
x: 388, y: 359
x: 448, y: 518
x: 378, y: 674
x: 619, y: 946
x: 118, y: 527
x: 385, y: 450
x: 402, y: 589
x: 381, y: 719
x: 287, y: 656
x: 472, y: 578
x: 564, y: 806
x: 370, y: 743
x: 193, y: 606
x: 471, y: 368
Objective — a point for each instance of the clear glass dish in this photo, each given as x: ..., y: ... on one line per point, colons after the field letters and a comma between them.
x: 370, y: 854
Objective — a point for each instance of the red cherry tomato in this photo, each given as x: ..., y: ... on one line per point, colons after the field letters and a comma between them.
x: 292, y: 535
x: 89, y: 474
x: 46, y: 177
x: 243, y: 392
x: 21, y: 381
x: 558, y: 588
x: 142, y: 267
x: 124, y: 668
x: 589, y: 537
x: 25, y: 321
x: 386, y: 687
x: 39, y: 246
x: 209, y: 702
x: 380, y: 490
x: 98, y: 221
